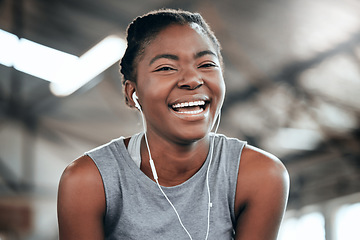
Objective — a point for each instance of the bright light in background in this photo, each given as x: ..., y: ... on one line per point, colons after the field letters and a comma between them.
x: 310, y: 227
x: 91, y: 64
x: 348, y: 222
x: 66, y: 72
x: 41, y: 61
x: 33, y: 58
x: 8, y: 48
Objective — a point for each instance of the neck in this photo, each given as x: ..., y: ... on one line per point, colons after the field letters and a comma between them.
x: 175, y: 163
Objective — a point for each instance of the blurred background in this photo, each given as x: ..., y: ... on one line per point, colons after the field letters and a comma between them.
x: 292, y: 69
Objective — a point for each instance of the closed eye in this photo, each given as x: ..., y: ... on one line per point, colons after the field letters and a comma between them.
x: 207, y: 65
x: 165, y: 68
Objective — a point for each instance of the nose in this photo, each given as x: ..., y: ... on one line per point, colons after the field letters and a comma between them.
x: 190, y: 79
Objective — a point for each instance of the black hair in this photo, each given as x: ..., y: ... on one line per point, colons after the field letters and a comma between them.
x: 145, y: 28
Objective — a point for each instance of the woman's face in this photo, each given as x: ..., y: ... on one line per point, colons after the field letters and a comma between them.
x: 180, y: 85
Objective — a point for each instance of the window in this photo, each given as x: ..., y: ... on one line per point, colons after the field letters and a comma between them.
x: 310, y: 226
x: 347, y: 222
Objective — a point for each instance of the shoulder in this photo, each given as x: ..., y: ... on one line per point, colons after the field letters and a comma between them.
x: 260, y: 173
x: 83, y: 171
x: 81, y: 201
x: 255, y: 161
x: 261, y: 194
x: 81, y: 179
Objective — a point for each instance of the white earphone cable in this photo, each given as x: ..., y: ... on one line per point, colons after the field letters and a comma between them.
x: 153, y: 169
x: 212, y: 146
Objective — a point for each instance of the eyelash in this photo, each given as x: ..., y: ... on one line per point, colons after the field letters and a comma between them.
x: 208, y: 65
x: 166, y: 68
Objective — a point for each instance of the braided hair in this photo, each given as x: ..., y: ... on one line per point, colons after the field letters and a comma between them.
x: 145, y: 28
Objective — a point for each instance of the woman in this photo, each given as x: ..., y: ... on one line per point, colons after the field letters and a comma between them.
x: 177, y: 180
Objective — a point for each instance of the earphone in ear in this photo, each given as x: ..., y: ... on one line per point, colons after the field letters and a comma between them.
x: 135, y: 99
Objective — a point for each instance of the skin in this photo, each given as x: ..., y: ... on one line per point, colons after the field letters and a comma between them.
x: 179, y: 65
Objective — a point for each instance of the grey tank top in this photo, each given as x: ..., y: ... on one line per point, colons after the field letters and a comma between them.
x: 136, y: 208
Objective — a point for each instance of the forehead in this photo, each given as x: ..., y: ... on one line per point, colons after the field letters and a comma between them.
x: 180, y: 38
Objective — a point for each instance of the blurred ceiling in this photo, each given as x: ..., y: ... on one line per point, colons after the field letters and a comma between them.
x: 292, y: 69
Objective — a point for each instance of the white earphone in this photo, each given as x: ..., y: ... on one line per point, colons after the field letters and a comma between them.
x: 153, y: 169
x: 135, y: 98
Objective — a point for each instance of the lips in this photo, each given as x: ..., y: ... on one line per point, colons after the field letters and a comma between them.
x: 194, y: 107
x: 191, y: 107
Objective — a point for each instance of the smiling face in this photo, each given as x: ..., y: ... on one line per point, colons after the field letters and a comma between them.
x: 179, y: 84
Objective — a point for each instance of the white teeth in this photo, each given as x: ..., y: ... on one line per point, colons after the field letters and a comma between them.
x: 193, y: 112
x: 187, y: 104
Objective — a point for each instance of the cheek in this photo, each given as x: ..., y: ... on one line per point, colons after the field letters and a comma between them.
x: 219, y: 90
x: 221, y: 95
x: 222, y: 87
x: 218, y: 86
x: 154, y: 95
x: 156, y: 89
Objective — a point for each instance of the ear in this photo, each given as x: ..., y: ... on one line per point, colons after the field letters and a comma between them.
x: 129, y: 89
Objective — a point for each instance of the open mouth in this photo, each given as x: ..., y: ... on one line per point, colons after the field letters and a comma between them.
x: 193, y: 107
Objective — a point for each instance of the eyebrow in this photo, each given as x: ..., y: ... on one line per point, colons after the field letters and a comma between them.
x: 167, y: 56
x: 203, y: 53
x: 176, y: 58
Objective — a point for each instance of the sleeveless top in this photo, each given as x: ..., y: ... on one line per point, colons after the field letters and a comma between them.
x: 136, y: 209
x: 134, y: 148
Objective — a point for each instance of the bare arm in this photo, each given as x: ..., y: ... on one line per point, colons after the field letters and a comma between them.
x: 81, y: 202
x: 261, y: 195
